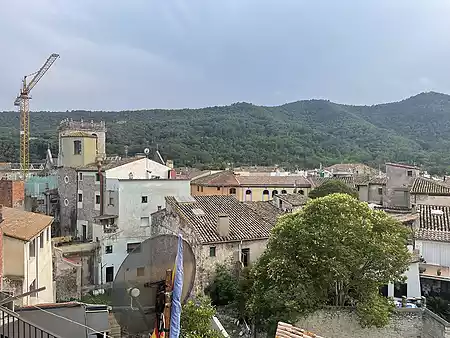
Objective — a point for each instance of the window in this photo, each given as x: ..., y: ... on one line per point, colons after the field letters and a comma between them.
x: 109, y: 274
x: 245, y: 256
x: 218, y: 188
x: 275, y: 192
x: 111, y: 201
x: 97, y: 199
x: 80, y: 176
x: 80, y: 197
x: 400, y: 290
x: 409, y: 173
x: 32, y: 288
x: 248, y: 192
x: 144, y: 199
x: 33, y: 248
x: 140, y: 272
x: 108, y: 249
x: 133, y: 247
x: 266, y: 192
x: 283, y: 191
x: 212, y: 251
x: 145, y: 221
x: 301, y: 192
x: 77, y: 147
x: 41, y: 240
x: 380, y: 191
x: 232, y: 191
x: 198, y: 188
x: 97, y: 177
x: 201, y: 189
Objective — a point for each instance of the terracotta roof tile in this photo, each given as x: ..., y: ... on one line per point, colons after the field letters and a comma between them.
x: 402, y: 165
x: 434, y: 223
x: 351, y: 167
x: 110, y: 164
x: 318, y: 181
x: 23, y: 225
x: 224, y: 178
x: 266, y: 210
x: 285, y: 330
x: 245, y: 224
x: 294, y: 199
x: 427, y: 186
x: 282, y: 181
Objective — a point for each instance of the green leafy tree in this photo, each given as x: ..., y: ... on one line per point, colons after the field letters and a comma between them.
x: 196, y: 318
x: 223, y: 287
x: 336, y: 251
x: 332, y: 187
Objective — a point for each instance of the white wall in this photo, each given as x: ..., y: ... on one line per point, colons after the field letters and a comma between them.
x: 139, y: 169
x: 131, y: 209
x: 430, y: 200
x: 39, y: 268
x: 433, y: 252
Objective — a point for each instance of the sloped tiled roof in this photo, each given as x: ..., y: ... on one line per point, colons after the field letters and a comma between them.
x: 266, y: 210
x: 110, y: 164
x: 351, y: 167
x: 78, y: 134
x: 376, y: 180
x: 23, y: 225
x: 293, y: 199
x: 282, y: 181
x: 318, y: 181
x: 245, y: 224
x: 434, y: 223
x: 422, y: 185
x: 285, y: 330
x: 224, y: 178
x: 402, y: 165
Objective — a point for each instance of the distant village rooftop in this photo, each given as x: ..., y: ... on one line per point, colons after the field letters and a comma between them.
x: 402, y: 165
x: 434, y: 223
x: 428, y: 186
x: 295, y: 200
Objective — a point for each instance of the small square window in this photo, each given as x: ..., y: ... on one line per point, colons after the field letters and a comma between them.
x: 80, y: 197
x: 97, y: 177
x: 111, y: 201
x: 380, y: 191
x: 218, y: 188
x: 133, y: 247
x: 145, y: 221
x: 144, y: 199
x: 41, y: 240
x: 409, y: 173
x: 97, y: 199
x: 77, y: 147
x: 140, y: 272
x: 108, y: 249
x: 212, y: 251
x: 109, y: 274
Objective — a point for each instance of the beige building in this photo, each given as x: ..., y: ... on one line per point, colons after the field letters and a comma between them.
x: 372, y: 189
x: 27, y: 255
x: 220, y: 229
x: 249, y: 188
x: 430, y: 192
x: 77, y: 149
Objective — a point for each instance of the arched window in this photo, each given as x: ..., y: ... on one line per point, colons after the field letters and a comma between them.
x: 232, y: 191
x: 275, y: 192
x: 266, y: 192
x: 248, y: 195
x: 283, y: 191
x: 265, y: 195
x: 301, y: 192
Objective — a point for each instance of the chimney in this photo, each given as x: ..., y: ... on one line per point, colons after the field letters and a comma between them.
x: 223, y: 225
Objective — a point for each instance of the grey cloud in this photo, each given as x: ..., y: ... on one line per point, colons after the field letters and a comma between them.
x: 193, y: 53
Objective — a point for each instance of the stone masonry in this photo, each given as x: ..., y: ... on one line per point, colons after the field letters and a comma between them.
x: 12, y: 193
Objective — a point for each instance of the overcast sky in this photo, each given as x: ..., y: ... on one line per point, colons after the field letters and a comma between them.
x: 193, y: 53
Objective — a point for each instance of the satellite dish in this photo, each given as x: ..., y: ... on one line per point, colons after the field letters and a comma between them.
x: 140, y: 282
x: 146, y: 151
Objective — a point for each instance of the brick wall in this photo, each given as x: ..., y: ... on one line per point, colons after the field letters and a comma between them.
x: 12, y: 193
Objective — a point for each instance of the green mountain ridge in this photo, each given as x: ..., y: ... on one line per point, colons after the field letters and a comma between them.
x: 298, y: 134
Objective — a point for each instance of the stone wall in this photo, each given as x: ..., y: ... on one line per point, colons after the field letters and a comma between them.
x: 405, y: 323
x: 67, y: 190
x: 67, y: 277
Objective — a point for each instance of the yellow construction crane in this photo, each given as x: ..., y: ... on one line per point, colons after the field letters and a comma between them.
x: 22, y: 101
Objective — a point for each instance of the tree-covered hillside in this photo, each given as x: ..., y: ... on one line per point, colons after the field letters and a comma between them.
x: 298, y: 134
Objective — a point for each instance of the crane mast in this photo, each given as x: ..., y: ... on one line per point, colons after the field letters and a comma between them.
x: 23, y: 101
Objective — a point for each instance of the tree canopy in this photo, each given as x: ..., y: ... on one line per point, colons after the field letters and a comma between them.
x: 332, y: 187
x: 196, y: 318
x: 298, y: 134
x: 335, y: 251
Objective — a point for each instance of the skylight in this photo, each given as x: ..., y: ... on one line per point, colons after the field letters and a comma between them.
x: 198, y: 212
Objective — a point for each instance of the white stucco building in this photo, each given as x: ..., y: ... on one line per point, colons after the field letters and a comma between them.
x: 127, y: 219
x: 27, y: 255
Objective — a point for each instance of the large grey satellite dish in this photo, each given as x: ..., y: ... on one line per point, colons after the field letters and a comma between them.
x: 141, y: 278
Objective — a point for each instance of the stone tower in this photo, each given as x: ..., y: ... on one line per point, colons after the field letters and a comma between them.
x: 81, y: 142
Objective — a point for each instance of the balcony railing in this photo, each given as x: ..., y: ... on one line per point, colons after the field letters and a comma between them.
x: 13, y: 325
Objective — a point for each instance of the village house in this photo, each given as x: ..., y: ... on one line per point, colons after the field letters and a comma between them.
x: 372, y: 189
x: 351, y: 169
x: 429, y: 191
x: 400, y: 178
x: 26, y: 243
x: 249, y: 187
x: 220, y: 229
x: 289, y: 202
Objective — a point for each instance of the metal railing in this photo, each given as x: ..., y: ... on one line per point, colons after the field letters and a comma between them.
x: 12, y: 325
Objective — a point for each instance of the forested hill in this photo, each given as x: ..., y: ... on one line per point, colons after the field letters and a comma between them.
x: 302, y: 133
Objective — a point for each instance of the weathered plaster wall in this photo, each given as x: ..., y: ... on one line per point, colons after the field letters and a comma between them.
x: 67, y: 190
x: 430, y: 200
x: 67, y: 277
x: 405, y: 323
